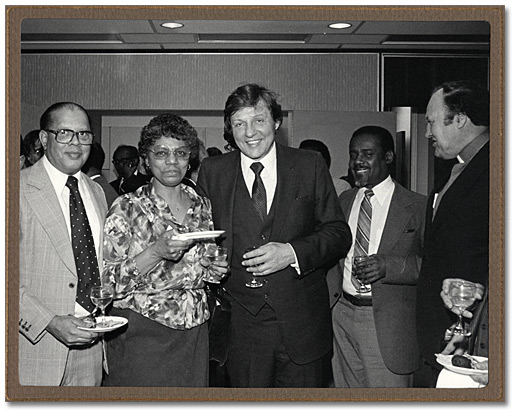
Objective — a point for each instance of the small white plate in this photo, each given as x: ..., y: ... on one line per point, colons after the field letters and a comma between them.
x: 113, y: 323
x: 445, y: 360
x: 208, y: 234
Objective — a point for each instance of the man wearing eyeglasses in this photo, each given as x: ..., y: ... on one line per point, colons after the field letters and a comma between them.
x: 126, y: 161
x: 59, y: 205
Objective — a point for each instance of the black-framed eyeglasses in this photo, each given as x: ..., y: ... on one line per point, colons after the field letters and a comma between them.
x: 162, y: 152
x: 65, y: 136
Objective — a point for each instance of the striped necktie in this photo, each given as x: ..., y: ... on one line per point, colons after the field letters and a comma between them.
x: 82, y: 246
x: 259, y: 194
x: 363, y: 225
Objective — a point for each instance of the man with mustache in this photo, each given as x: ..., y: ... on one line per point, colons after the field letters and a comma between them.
x: 374, y: 332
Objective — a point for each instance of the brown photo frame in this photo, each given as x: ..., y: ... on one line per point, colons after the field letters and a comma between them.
x: 494, y: 392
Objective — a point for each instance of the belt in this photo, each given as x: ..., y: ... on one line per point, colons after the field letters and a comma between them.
x: 358, y: 301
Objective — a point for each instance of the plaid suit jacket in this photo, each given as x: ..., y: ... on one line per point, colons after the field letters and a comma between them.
x: 48, y: 277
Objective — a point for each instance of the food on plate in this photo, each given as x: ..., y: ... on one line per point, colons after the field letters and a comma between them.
x: 483, y: 366
x: 461, y: 361
x: 107, y: 323
x: 89, y: 321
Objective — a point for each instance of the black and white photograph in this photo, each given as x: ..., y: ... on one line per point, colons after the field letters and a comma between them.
x: 255, y: 203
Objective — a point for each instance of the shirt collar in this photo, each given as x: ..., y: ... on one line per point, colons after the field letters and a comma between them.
x: 58, y: 178
x: 472, y: 148
x: 268, y: 161
x: 381, y: 190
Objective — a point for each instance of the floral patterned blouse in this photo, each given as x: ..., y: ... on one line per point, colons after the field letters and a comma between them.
x: 172, y: 293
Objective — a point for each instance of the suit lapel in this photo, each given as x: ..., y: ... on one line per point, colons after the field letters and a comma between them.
x: 229, y: 177
x: 46, y: 207
x: 396, y: 220
x: 347, y: 201
x: 286, y: 190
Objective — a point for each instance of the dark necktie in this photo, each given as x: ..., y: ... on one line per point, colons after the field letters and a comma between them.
x: 363, y: 229
x: 82, y: 246
x: 259, y: 194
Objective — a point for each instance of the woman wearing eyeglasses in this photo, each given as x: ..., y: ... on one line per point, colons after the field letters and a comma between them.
x: 159, y: 279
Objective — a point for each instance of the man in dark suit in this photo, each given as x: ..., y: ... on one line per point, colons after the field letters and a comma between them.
x: 281, y: 332
x: 374, y: 332
x: 126, y: 161
x: 457, y: 218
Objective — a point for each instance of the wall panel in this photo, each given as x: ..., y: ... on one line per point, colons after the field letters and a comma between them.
x: 324, y: 82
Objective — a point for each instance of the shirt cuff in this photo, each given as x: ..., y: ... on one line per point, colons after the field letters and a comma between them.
x: 295, y: 265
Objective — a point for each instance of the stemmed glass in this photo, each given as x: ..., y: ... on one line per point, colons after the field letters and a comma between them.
x: 253, y: 282
x: 102, y: 296
x: 215, y: 253
x: 363, y: 288
x: 462, y: 294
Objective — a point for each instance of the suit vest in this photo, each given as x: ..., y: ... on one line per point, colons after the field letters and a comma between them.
x: 248, y: 231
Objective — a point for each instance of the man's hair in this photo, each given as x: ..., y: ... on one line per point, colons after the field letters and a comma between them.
x: 317, y: 146
x: 96, y: 158
x: 132, y: 150
x: 47, y: 116
x: 249, y: 95
x: 29, y: 141
x: 383, y: 136
x: 466, y: 97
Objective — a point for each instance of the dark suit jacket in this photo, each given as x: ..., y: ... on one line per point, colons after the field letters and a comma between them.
x: 393, y: 297
x: 130, y: 184
x: 456, y: 246
x: 309, y: 217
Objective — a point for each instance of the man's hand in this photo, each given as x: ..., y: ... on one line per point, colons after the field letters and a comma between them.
x: 65, y: 329
x: 269, y: 258
x: 371, y: 269
x: 446, y: 299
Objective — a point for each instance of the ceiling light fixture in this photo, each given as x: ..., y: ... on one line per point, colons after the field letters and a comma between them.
x: 339, y: 25
x: 171, y: 25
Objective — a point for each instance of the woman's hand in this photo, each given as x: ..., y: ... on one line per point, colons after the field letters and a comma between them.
x: 170, y: 248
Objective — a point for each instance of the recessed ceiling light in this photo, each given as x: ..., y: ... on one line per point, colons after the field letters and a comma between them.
x: 171, y: 25
x: 339, y: 25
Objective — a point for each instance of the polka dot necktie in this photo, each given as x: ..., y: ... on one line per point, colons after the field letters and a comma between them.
x: 82, y: 246
x: 259, y: 194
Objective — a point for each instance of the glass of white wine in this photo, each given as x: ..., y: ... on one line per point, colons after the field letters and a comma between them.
x: 215, y: 253
x: 462, y: 294
x: 253, y: 282
x: 102, y: 296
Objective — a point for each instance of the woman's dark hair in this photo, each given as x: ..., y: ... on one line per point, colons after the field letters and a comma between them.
x: 249, y: 95
x: 170, y: 126
x: 466, y: 97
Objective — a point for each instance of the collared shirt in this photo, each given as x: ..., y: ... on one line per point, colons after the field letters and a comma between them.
x: 172, y: 293
x: 383, y: 193
x: 268, y: 174
x: 464, y: 157
x: 59, y: 181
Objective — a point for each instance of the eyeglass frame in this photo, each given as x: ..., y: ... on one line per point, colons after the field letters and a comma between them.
x: 170, y: 151
x: 74, y: 134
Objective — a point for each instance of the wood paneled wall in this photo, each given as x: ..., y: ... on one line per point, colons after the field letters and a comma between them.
x: 324, y: 82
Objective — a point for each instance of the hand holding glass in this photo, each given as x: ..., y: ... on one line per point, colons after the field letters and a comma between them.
x: 253, y: 282
x: 215, y: 254
x: 363, y: 288
x: 462, y: 294
x: 101, y: 296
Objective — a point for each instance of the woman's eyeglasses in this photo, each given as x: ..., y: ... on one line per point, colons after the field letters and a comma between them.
x: 162, y: 152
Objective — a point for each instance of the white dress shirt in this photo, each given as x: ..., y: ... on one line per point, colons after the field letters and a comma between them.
x: 383, y: 193
x: 59, y: 181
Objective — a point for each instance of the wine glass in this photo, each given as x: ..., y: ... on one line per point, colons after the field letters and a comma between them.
x: 101, y: 296
x: 462, y: 294
x: 215, y: 253
x: 363, y: 288
x: 253, y: 282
